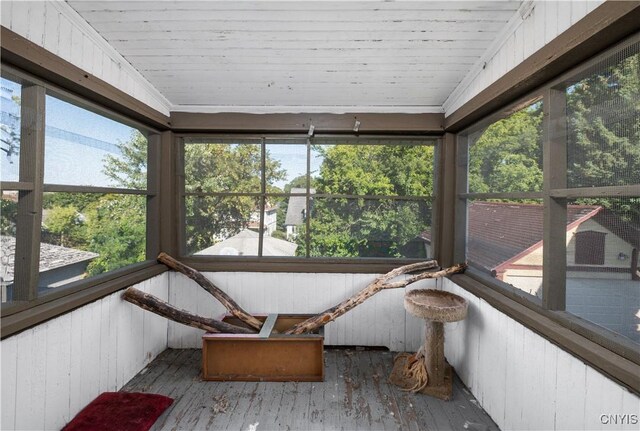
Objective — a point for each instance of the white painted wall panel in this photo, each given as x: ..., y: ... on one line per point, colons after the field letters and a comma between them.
x: 524, y: 381
x: 380, y: 321
x: 9, y: 366
x: 528, y: 33
x: 50, y: 372
x: 58, y: 28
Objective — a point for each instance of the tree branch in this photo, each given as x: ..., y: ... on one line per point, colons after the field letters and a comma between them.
x: 380, y: 283
x: 207, y: 285
x: 156, y: 305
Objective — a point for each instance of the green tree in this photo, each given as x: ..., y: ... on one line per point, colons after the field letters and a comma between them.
x: 507, y: 157
x: 116, y: 224
x: 66, y: 226
x: 113, y: 226
x: 129, y: 170
x: 603, y: 136
x: 342, y: 227
x: 222, y: 167
x: 603, y: 113
x: 9, y: 215
x: 117, y: 232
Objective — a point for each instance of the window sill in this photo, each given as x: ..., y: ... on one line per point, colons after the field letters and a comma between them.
x: 299, y: 265
x: 555, y: 327
x: 18, y: 317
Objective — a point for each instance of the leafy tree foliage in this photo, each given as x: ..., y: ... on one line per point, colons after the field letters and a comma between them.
x: 342, y: 227
x: 67, y: 226
x: 224, y: 167
x: 604, y: 134
x: 117, y: 232
x: 113, y: 226
x: 130, y: 171
x: 507, y: 157
x: 9, y: 213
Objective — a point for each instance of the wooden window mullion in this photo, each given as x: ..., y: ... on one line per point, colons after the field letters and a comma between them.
x: 29, y: 218
x: 554, y: 252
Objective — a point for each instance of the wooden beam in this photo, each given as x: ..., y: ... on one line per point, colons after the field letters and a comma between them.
x: 460, y: 215
x: 299, y: 123
x: 29, y: 218
x: 16, y: 185
x: 154, y: 154
x: 597, y: 192
x: 65, y: 188
x: 32, y: 58
x: 447, y: 200
x: 608, y: 24
x: 168, y: 221
x: 554, y: 251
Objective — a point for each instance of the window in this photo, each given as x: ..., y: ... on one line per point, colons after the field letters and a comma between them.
x: 584, y: 205
x: 10, y: 92
x: 320, y: 197
x: 504, y: 210
x: 75, y: 189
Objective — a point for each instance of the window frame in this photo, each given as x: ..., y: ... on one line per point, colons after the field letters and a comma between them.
x: 31, y: 195
x: 555, y: 195
x: 294, y: 264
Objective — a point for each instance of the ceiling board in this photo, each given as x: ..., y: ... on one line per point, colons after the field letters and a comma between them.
x: 235, y: 55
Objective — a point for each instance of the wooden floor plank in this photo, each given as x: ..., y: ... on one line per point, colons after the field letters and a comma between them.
x: 355, y: 395
x: 179, y: 383
x: 240, y: 398
x: 317, y: 403
x: 382, y: 362
x: 346, y: 412
x: 144, y: 380
x: 361, y: 392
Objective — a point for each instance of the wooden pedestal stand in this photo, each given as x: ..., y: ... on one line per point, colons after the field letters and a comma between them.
x: 435, y: 307
x: 440, y: 383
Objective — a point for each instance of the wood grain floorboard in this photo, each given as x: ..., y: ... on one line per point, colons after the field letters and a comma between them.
x: 354, y: 396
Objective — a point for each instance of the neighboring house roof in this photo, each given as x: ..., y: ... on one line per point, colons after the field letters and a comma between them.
x: 619, y: 227
x: 51, y: 256
x: 296, y: 207
x: 245, y: 243
x: 498, y: 232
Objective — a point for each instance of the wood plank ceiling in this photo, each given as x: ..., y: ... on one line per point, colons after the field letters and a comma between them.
x: 304, y: 56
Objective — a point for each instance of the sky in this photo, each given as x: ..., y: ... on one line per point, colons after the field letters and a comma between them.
x: 77, y: 141
x: 293, y: 159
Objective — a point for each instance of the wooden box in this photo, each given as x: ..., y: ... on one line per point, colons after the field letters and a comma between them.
x: 268, y: 356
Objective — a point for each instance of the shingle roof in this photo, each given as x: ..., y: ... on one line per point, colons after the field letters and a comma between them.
x: 296, y: 207
x: 499, y: 231
x: 619, y: 227
x: 51, y: 256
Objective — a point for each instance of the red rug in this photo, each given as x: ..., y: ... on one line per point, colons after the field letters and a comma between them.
x: 122, y: 411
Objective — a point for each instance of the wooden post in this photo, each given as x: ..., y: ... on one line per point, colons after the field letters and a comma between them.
x: 434, y: 352
x: 29, y: 219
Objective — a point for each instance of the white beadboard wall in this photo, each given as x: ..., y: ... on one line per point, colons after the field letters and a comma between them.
x: 57, y: 27
x: 524, y: 381
x: 379, y: 321
x: 538, y: 23
x: 50, y: 372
